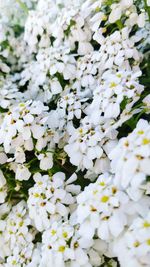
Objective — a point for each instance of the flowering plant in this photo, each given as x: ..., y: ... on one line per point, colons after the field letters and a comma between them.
x: 74, y: 133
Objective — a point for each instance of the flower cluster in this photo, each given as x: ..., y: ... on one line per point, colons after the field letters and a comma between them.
x: 135, y: 245
x: 16, y: 236
x: 51, y: 199
x: 74, y: 133
x: 131, y: 161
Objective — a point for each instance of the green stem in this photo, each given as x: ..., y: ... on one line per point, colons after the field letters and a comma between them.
x: 147, y: 8
x: 28, y: 164
x: 119, y: 24
x: 139, y: 115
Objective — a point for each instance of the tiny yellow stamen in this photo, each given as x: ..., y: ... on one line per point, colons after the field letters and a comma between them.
x: 76, y: 245
x: 52, y: 190
x: 36, y: 195
x: 136, y: 244
x: 80, y: 130
x: 106, y: 218
x: 21, y: 105
x: 146, y: 224
x: 39, y: 183
x: 139, y: 157
x: 104, y: 199
x: 93, y: 209
x: 21, y: 224
x: 102, y: 183
x: 53, y: 232
x: 113, y: 84
x: 65, y: 234
x: 146, y: 141
x: 126, y: 143
x: 97, y: 9
x: 114, y: 190
x: 61, y: 249
x: 43, y: 204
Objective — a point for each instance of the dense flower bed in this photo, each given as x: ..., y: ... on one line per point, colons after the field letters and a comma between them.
x: 74, y: 133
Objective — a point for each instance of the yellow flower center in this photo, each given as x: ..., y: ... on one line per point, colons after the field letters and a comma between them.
x: 65, y: 234
x: 136, y: 244
x: 36, y: 195
x: 140, y: 132
x: 104, y: 199
x: 53, y: 232
x: 102, y: 184
x: 146, y: 224
x: 113, y: 84
x: 76, y: 245
x: 146, y: 141
x: 61, y: 249
x: 21, y: 224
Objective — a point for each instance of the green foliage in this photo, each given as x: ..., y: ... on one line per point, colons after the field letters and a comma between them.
x: 23, y: 6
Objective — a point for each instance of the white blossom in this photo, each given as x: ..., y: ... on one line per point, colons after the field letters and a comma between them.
x: 131, y: 160
x: 22, y: 173
x: 50, y: 199
x: 89, y: 142
x: 134, y: 245
x: 102, y: 207
x: 3, y: 187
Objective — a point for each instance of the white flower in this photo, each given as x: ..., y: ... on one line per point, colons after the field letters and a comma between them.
x: 9, y: 93
x: 3, y: 156
x: 16, y: 233
x: 20, y: 155
x: 69, y: 94
x: 22, y: 173
x: 55, y: 87
x: 21, y: 122
x: 146, y: 102
x: 102, y: 207
x: 134, y: 245
x: 20, y: 257
x: 86, y: 143
x: 114, y: 89
x: 42, y: 72
x: 70, y: 105
x: 3, y: 187
x: 63, y: 245
x: 115, y: 13
x: 131, y: 160
x: 128, y: 9
x: 46, y: 161
x: 50, y: 199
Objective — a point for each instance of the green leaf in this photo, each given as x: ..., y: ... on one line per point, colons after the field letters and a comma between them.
x: 2, y: 110
x: 147, y: 8
x: 23, y: 6
x: 67, y: 31
x: 124, y: 103
x: 4, y: 44
x: 119, y: 24
x: 148, y: 178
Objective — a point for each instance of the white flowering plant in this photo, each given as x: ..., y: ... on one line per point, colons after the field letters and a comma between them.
x: 74, y: 133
